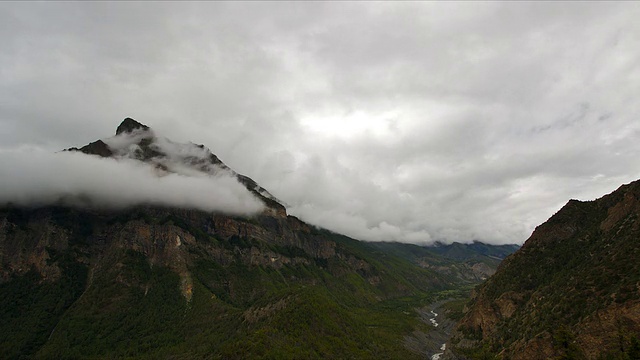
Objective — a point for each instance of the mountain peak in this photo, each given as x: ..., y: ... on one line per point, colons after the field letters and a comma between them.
x: 172, y: 157
x: 128, y: 125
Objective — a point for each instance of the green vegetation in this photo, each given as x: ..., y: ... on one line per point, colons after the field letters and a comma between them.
x: 30, y: 308
x: 570, y: 279
x: 581, y: 263
x: 454, y: 309
x: 454, y: 262
x: 138, y: 311
x: 123, y: 299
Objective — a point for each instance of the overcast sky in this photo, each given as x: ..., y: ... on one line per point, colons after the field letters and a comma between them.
x: 412, y: 121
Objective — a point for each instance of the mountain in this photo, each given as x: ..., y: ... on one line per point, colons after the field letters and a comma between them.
x: 459, y: 262
x: 151, y: 281
x: 571, y: 292
x: 137, y: 141
x: 475, y: 250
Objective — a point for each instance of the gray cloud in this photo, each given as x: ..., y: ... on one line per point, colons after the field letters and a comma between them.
x: 386, y: 121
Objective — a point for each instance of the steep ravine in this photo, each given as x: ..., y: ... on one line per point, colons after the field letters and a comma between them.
x: 439, y: 327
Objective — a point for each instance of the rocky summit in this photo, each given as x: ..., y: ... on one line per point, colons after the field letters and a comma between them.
x: 571, y: 292
x: 139, y: 142
x: 165, y: 282
x: 128, y: 125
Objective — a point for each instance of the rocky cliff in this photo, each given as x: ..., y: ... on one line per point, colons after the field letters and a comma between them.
x: 571, y: 291
x: 32, y: 239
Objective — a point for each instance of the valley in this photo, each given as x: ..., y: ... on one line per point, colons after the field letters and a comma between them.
x: 166, y: 281
x: 299, y: 180
x: 82, y: 279
x: 149, y: 281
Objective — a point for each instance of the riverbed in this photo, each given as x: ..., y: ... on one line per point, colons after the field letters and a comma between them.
x: 431, y: 343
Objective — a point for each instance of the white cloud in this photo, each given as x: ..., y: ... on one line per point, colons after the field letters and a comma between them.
x: 35, y: 177
x: 413, y: 121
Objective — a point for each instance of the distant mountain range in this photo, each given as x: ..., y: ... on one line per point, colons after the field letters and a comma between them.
x: 151, y: 281
x: 471, y: 263
x: 571, y: 292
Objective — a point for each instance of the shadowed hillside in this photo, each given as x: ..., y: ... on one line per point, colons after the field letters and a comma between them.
x: 572, y: 291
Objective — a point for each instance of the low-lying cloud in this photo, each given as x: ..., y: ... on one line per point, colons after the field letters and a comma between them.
x: 33, y: 177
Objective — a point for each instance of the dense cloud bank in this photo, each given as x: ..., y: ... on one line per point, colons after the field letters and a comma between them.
x: 408, y: 121
x: 35, y: 177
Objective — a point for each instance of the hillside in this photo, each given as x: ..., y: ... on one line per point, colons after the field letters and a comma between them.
x: 465, y: 263
x: 82, y: 280
x: 475, y: 250
x: 153, y: 281
x: 572, y: 291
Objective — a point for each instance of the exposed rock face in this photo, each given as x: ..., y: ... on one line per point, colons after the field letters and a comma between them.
x: 128, y: 125
x: 29, y: 239
x: 573, y: 289
x: 20, y: 250
x: 95, y: 148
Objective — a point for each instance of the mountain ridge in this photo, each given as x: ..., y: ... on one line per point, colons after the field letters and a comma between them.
x: 137, y: 141
x: 571, y: 291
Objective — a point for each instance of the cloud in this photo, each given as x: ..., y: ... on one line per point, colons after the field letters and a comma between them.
x: 32, y: 177
x: 411, y: 121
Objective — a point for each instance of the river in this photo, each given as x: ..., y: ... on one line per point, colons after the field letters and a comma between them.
x: 431, y: 342
x: 434, y: 322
